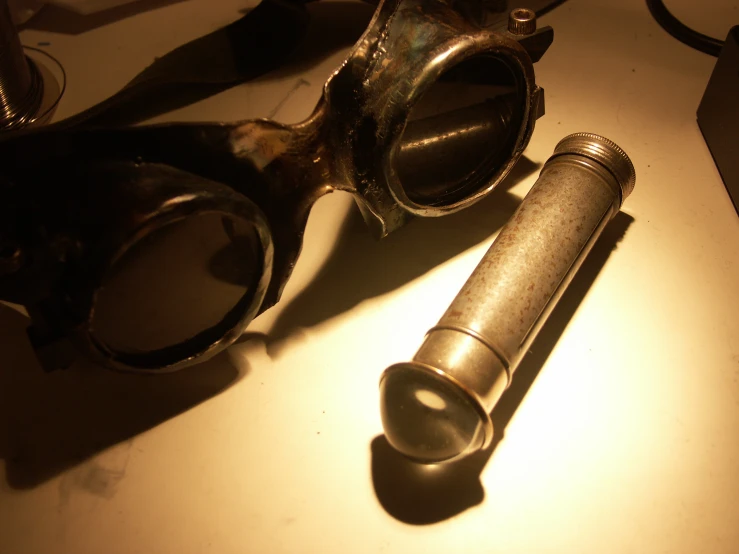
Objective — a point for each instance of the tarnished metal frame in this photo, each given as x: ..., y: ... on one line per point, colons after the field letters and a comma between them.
x: 348, y: 144
x: 208, y: 197
x: 63, y: 318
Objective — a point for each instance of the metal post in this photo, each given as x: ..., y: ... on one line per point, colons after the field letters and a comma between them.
x: 21, y: 84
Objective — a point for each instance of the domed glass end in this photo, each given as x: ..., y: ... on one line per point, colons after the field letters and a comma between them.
x: 428, y: 417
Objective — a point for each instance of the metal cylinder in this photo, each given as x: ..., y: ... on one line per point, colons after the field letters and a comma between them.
x: 21, y: 84
x: 436, y: 407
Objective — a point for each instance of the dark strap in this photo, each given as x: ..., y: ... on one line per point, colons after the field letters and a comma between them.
x: 262, y: 40
x: 251, y: 46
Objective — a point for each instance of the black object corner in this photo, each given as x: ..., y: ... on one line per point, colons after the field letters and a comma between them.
x: 718, y: 114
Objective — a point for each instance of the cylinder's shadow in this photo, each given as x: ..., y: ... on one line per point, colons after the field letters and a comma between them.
x: 361, y: 267
x: 50, y: 422
x: 418, y: 494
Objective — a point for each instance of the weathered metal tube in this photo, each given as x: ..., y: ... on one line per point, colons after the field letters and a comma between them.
x: 436, y: 407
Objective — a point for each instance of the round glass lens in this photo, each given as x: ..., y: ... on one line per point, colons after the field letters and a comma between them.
x: 460, y: 132
x: 177, y: 282
x: 425, y: 417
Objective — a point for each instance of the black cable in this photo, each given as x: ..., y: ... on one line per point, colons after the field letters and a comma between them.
x: 683, y: 33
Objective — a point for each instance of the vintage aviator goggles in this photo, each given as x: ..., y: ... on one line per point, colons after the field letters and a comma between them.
x: 151, y: 248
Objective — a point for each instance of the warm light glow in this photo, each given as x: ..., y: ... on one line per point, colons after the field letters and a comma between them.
x: 627, y: 440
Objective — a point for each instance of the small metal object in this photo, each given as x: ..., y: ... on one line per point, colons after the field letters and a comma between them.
x: 21, y: 82
x: 521, y: 21
x: 436, y: 407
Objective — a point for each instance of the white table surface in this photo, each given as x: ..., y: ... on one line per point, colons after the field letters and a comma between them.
x: 620, y: 434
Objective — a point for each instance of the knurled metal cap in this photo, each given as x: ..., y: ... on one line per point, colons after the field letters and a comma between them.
x: 605, y: 152
x: 521, y: 21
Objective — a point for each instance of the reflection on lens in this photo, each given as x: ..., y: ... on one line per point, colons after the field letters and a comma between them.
x: 425, y: 417
x: 460, y: 132
x: 177, y: 282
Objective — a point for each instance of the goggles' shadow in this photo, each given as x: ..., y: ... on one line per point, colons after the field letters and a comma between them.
x: 50, y: 423
x: 359, y: 268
